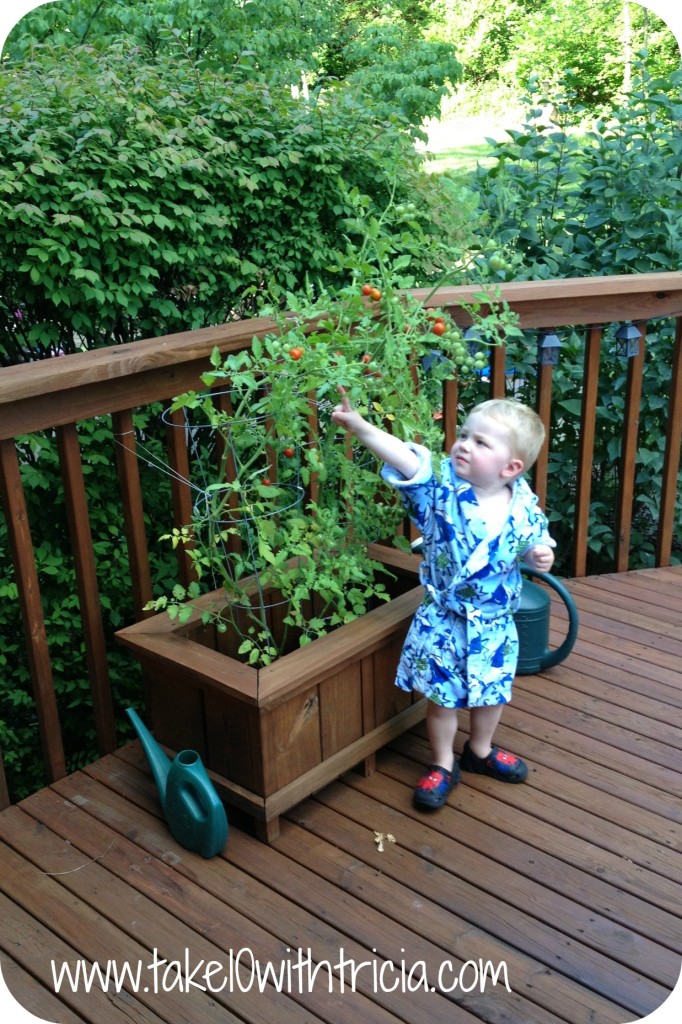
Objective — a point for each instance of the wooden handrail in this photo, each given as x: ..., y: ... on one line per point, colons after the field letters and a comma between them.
x: 58, y: 393
x: 37, y: 396
x: 576, y: 300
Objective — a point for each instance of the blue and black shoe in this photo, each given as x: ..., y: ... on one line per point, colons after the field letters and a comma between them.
x: 499, y: 764
x: 434, y: 789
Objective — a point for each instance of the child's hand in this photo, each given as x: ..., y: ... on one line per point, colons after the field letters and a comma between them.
x: 385, y: 446
x: 540, y: 557
x: 345, y: 415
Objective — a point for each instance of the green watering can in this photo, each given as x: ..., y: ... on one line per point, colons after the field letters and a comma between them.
x: 192, y: 808
x: 532, y: 624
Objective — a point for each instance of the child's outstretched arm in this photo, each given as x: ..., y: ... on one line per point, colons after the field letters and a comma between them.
x: 385, y: 446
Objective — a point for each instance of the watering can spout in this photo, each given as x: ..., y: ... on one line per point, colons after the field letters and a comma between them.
x: 532, y: 625
x: 159, y: 762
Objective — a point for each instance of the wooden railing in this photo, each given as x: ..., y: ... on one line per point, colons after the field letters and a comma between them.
x: 58, y: 394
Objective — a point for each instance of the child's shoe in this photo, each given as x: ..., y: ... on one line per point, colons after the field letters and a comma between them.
x: 499, y: 764
x: 434, y: 789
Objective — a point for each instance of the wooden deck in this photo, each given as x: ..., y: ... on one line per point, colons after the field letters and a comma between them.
x: 571, y: 881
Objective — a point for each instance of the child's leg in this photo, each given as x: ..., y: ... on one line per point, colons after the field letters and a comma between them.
x: 435, y: 786
x: 441, y: 725
x: 483, y: 723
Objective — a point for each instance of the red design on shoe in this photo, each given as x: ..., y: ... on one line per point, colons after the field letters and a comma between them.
x: 505, y: 757
x: 432, y: 781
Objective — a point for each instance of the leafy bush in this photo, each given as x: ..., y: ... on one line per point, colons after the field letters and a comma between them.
x: 143, y: 198
x: 603, y: 200
x: 567, y: 201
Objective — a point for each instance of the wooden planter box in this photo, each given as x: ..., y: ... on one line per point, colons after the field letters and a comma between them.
x: 272, y: 736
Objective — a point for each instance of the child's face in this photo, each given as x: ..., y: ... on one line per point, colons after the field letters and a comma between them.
x: 482, y: 455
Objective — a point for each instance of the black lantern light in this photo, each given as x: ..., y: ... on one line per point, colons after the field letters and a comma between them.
x: 627, y: 341
x: 548, y: 350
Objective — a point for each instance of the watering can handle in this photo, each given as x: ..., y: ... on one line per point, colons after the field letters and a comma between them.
x: 554, y: 657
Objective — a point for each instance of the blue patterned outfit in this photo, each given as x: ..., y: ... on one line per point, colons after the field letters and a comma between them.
x: 462, y: 647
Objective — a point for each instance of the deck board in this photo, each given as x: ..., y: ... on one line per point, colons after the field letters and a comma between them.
x: 573, y: 880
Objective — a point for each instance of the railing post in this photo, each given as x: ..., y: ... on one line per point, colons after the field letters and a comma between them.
x: 88, y: 588
x: 544, y: 409
x: 133, y: 510
x: 498, y: 371
x: 671, y: 463
x: 450, y: 403
x: 14, y: 505
x: 628, y: 457
x: 588, y: 419
x: 178, y: 459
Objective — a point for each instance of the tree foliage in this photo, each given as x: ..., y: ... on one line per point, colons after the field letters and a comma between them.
x: 572, y: 201
x: 143, y: 197
x: 510, y: 41
x: 158, y: 174
x: 361, y: 43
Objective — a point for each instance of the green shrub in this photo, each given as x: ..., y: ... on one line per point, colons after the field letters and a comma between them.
x: 142, y: 195
x: 571, y: 201
x: 575, y: 201
x: 140, y: 198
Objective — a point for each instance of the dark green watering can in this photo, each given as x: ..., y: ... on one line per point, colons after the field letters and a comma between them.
x: 192, y: 808
x: 532, y: 624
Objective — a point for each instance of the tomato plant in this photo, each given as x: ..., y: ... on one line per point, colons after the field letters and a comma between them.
x: 296, y: 501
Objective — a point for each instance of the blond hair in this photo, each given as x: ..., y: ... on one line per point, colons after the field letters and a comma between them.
x: 526, y: 429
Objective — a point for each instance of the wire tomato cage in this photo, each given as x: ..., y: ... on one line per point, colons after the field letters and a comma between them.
x: 267, y: 493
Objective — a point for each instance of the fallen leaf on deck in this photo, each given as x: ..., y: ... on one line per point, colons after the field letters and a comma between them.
x: 379, y: 838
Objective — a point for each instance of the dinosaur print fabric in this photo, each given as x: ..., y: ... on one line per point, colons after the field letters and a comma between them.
x: 462, y: 647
